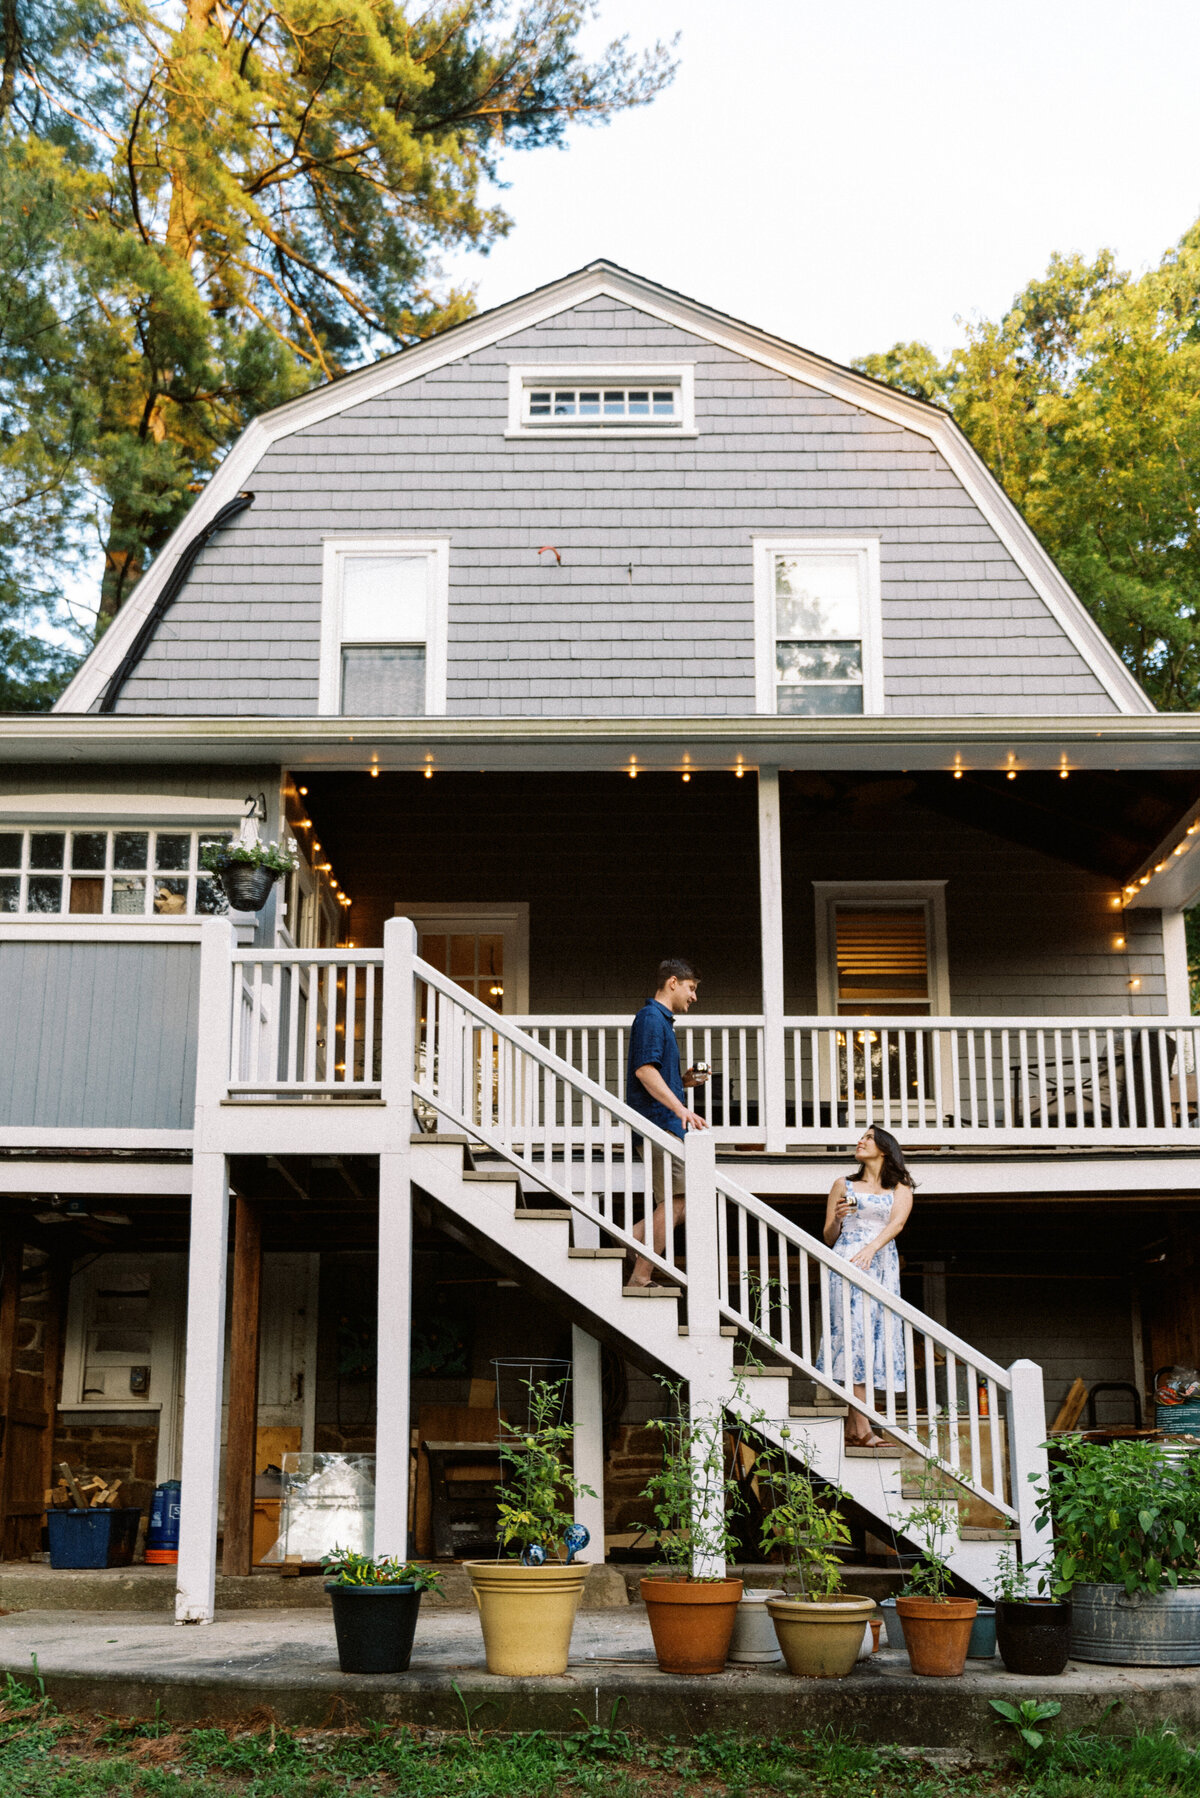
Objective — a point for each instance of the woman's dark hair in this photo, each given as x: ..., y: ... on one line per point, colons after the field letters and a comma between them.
x: 893, y: 1172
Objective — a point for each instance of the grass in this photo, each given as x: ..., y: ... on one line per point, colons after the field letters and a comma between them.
x: 47, y: 1754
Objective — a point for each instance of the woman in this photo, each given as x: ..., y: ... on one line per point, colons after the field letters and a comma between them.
x: 863, y: 1218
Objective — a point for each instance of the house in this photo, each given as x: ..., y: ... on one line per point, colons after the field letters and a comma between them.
x: 602, y: 626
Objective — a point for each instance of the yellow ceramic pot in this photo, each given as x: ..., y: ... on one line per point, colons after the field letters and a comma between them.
x: 526, y: 1614
x: 821, y: 1637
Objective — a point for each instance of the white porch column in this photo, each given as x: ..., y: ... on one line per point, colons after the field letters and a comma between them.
x: 200, y: 1467
x: 1175, y: 963
x: 772, y: 1085
x: 588, y: 1411
x: 708, y: 1383
x: 1027, y: 1454
x: 392, y: 1426
x: 208, y: 1250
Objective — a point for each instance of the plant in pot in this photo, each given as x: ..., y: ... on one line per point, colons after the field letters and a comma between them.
x: 527, y: 1605
x: 695, y: 1496
x: 937, y: 1625
x: 820, y: 1628
x: 1033, y: 1633
x: 1126, y: 1520
x: 248, y: 870
x: 375, y: 1604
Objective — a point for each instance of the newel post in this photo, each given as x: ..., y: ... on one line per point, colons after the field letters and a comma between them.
x: 1027, y: 1456
x: 208, y: 1243
x: 398, y: 1058
x: 708, y: 1381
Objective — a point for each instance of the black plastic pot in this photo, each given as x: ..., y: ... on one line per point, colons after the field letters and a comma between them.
x: 375, y: 1626
x: 247, y: 887
x: 1033, y: 1634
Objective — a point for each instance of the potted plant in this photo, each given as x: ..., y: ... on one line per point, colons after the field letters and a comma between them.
x: 375, y: 1605
x: 527, y: 1605
x: 692, y: 1606
x: 1126, y: 1521
x: 1033, y: 1633
x: 820, y: 1629
x: 248, y: 870
x: 937, y: 1625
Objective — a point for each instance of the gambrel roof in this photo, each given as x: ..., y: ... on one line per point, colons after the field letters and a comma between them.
x: 603, y: 280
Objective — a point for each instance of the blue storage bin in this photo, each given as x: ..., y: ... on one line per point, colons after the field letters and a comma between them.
x: 1179, y: 1420
x: 102, y: 1537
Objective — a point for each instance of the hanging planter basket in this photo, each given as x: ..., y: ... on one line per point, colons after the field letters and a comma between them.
x: 247, y: 885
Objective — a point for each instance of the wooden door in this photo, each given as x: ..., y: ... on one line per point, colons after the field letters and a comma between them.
x: 31, y: 1304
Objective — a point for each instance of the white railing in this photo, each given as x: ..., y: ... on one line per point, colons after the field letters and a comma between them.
x: 572, y: 1140
x: 799, y: 1299
x: 1003, y: 1081
x: 306, y: 1023
x: 598, y: 1048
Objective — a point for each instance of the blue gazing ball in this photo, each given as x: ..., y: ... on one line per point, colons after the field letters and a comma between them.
x: 534, y: 1555
x: 576, y: 1538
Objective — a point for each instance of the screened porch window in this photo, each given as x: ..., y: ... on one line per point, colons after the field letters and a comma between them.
x: 882, y: 955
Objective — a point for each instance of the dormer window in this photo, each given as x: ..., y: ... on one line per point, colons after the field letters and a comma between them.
x: 613, y: 402
x: 383, y: 628
x: 818, y: 626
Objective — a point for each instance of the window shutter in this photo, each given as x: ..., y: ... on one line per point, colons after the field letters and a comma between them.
x: 882, y: 957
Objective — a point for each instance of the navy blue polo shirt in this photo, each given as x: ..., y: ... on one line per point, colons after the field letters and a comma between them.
x: 652, y: 1044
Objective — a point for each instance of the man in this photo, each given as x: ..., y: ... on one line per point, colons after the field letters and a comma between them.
x: 655, y: 1087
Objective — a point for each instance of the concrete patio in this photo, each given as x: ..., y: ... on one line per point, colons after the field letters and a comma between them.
x: 284, y: 1662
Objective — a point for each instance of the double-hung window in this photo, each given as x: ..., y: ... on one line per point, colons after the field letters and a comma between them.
x: 818, y: 627
x: 383, y: 627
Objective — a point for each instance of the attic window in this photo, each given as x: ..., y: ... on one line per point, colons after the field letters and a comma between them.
x: 623, y: 402
x: 383, y: 628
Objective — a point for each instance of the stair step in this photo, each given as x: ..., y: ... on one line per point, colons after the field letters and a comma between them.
x: 818, y: 1411
x: 535, y: 1212
x: 729, y: 1329
x: 596, y: 1254
x: 767, y: 1373
x: 436, y: 1137
x: 974, y: 1533
x: 652, y: 1292
x: 500, y: 1175
x: 891, y: 1451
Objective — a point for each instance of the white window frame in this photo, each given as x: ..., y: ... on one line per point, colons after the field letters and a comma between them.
x: 867, y: 551
x: 882, y: 894
x: 335, y: 552
x: 509, y: 920
x: 102, y: 822
x: 681, y: 375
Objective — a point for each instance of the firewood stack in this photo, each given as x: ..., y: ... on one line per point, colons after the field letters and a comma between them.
x: 81, y: 1493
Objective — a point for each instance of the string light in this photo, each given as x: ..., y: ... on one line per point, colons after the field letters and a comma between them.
x: 1064, y: 774
x: 1012, y: 774
x: 633, y: 767
x: 686, y: 777
x: 1118, y: 942
x: 958, y: 774
x: 303, y: 792
x: 429, y: 773
x: 374, y: 771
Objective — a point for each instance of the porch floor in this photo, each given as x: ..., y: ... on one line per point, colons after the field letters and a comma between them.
x: 284, y: 1662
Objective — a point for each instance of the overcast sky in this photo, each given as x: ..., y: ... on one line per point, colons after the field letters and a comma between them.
x: 846, y: 173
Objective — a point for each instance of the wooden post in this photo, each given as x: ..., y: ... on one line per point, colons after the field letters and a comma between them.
x: 1027, y: 1456
x: 772, y: 1074
x: 12, y: 1257
x: 245, y: 1309
x: 588, y: 1414
x: 709, y: 1351
x: 392, y: 1448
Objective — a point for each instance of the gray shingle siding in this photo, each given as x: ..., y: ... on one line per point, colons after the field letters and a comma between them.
x: 964, y: 632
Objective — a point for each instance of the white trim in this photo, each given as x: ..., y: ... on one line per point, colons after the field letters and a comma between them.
x: 83, y: 1179
x: 69, y: 1138
x: 35, y: 927
x: 765, y: 549
x: 930, y: 893
x: 603, y: 280
x: 117, y: 809
x: 509, y: 919
x: 679, y: 374
x: 335, y: 550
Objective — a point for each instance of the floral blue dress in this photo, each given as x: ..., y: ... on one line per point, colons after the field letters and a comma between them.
x: 858, y: 1229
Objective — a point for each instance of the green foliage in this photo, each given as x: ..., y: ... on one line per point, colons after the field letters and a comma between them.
x: 695, y: 1498
x: 538, y: 1484
x: 934, y: 1525
x: 1122, y: 1516
x: 1025, y: 1717
x: 1084, y: 400
x: 216, y: 857
x: 204, y: 210
x: 350, y: 1569
x: 808, y: 1528
x: 1018, y: 1583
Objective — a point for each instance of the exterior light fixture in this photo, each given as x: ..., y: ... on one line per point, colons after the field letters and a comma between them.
x: 1192, y: 829
x: 958, y: 774
x: 686, y: 776
x: 1118, y: 942
x: 1135, y: 981
x: 1064, y: 774
x: 1181, y: 849
x: 316, y: 848
x: 303, y: 792
x: 1012, y: 774
x: 374, y: 770
x: 1143, y: 880
x: 429, y: 773
x: 1159, y: 866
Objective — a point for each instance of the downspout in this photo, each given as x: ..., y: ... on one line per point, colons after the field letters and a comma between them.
x: 171, y: 589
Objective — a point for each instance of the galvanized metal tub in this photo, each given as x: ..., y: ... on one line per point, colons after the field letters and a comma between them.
x: 1147, y: 1629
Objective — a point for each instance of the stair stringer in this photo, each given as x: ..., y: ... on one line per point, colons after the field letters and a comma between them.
x: 648, y: 1330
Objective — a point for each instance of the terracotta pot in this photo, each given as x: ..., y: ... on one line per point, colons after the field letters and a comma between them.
x: 691, y: 1622
x: 936, y: 1634
x: 821, y: 1637
x: 526, y: 1614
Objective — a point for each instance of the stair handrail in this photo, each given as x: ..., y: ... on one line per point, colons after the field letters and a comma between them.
x: 748, y: 1315
x: 655, y: 1139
